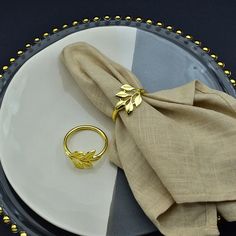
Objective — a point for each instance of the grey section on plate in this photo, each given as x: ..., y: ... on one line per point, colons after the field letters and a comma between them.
x: 160, y: 64
x: 126, y: 217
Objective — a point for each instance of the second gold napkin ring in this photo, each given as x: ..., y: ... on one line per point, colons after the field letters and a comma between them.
x: 81, y: 159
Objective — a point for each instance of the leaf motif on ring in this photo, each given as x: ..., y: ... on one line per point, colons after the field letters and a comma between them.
x: 130, y: 97
x: 127, y: 87
x: 82, y: 160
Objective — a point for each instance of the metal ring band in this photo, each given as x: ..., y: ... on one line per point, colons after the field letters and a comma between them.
x: 82, y: 128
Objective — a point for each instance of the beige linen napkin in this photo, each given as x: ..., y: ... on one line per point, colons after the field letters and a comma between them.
x: 177, y: 148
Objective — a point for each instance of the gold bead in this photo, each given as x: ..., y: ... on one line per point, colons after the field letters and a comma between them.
x: 12, y: 59
x: 36, y: 40
x: 64, y: 26
x: 96, y: 19
x: 19, y: 53
x: 227, y: 72
x: 6, y: 219
x: 190, y: 37
x: 22, y: 233
x: 160, y: 24
x: 74, y: 23
x: 1, y: 209
x: 27, y: 45
x: 85, y: 20
x: 117, y: 18
x: 14, y: 228
x: 180, y: 32
x: 149, y: 22
x: 5, y: 68
x: 197, y: 42
x: 45, y: 35
x: 169, y: 27
x: 206, y: 49
x: 232, y: 81
x: 128, y: 18
x: 107, y: 17
x: 55, y: 30
x: 138, y: 19
x: 221, y: 64
x: 214, y: 56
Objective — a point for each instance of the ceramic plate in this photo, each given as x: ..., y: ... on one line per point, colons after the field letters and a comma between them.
x: 41, y: 102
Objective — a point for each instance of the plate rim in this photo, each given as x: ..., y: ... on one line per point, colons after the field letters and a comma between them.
x: 31, y: 50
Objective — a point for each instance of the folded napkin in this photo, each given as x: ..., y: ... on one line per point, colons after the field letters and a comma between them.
x: 176, y: 148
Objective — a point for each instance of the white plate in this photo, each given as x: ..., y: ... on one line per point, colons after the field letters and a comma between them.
x: 41, y: 104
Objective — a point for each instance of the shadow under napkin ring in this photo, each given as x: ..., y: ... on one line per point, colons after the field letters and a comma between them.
x: 81, y: 159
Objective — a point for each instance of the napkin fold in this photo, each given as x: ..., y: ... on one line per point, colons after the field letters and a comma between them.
x: 177, y: 148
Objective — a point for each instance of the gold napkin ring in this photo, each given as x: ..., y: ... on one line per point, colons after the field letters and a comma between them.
x: 129, y: 97
x: 81, y: 159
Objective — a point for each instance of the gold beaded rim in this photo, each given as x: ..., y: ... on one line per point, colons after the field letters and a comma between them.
x: 169, y: 27
x: 96, y: 19
x: 55, y: 30
x: 5, y: 218
x: 138, y: 19
x: 128, y: 18
x: 160, y: 24
x: 12, y: 226
x: 198, y: 43
x: 85, y: 20
x: 149, y: 22
x: 118, y: 18
x: 180, y: 32
x: 106, y: 18
x: 190, y: 37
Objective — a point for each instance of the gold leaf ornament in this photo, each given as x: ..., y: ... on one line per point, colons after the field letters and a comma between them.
x: 129, y: 107
x: 127, y: 87
x: 82, y: 160
x: 138, y: 100
x: 122, y: 94
x: 129, y: 97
